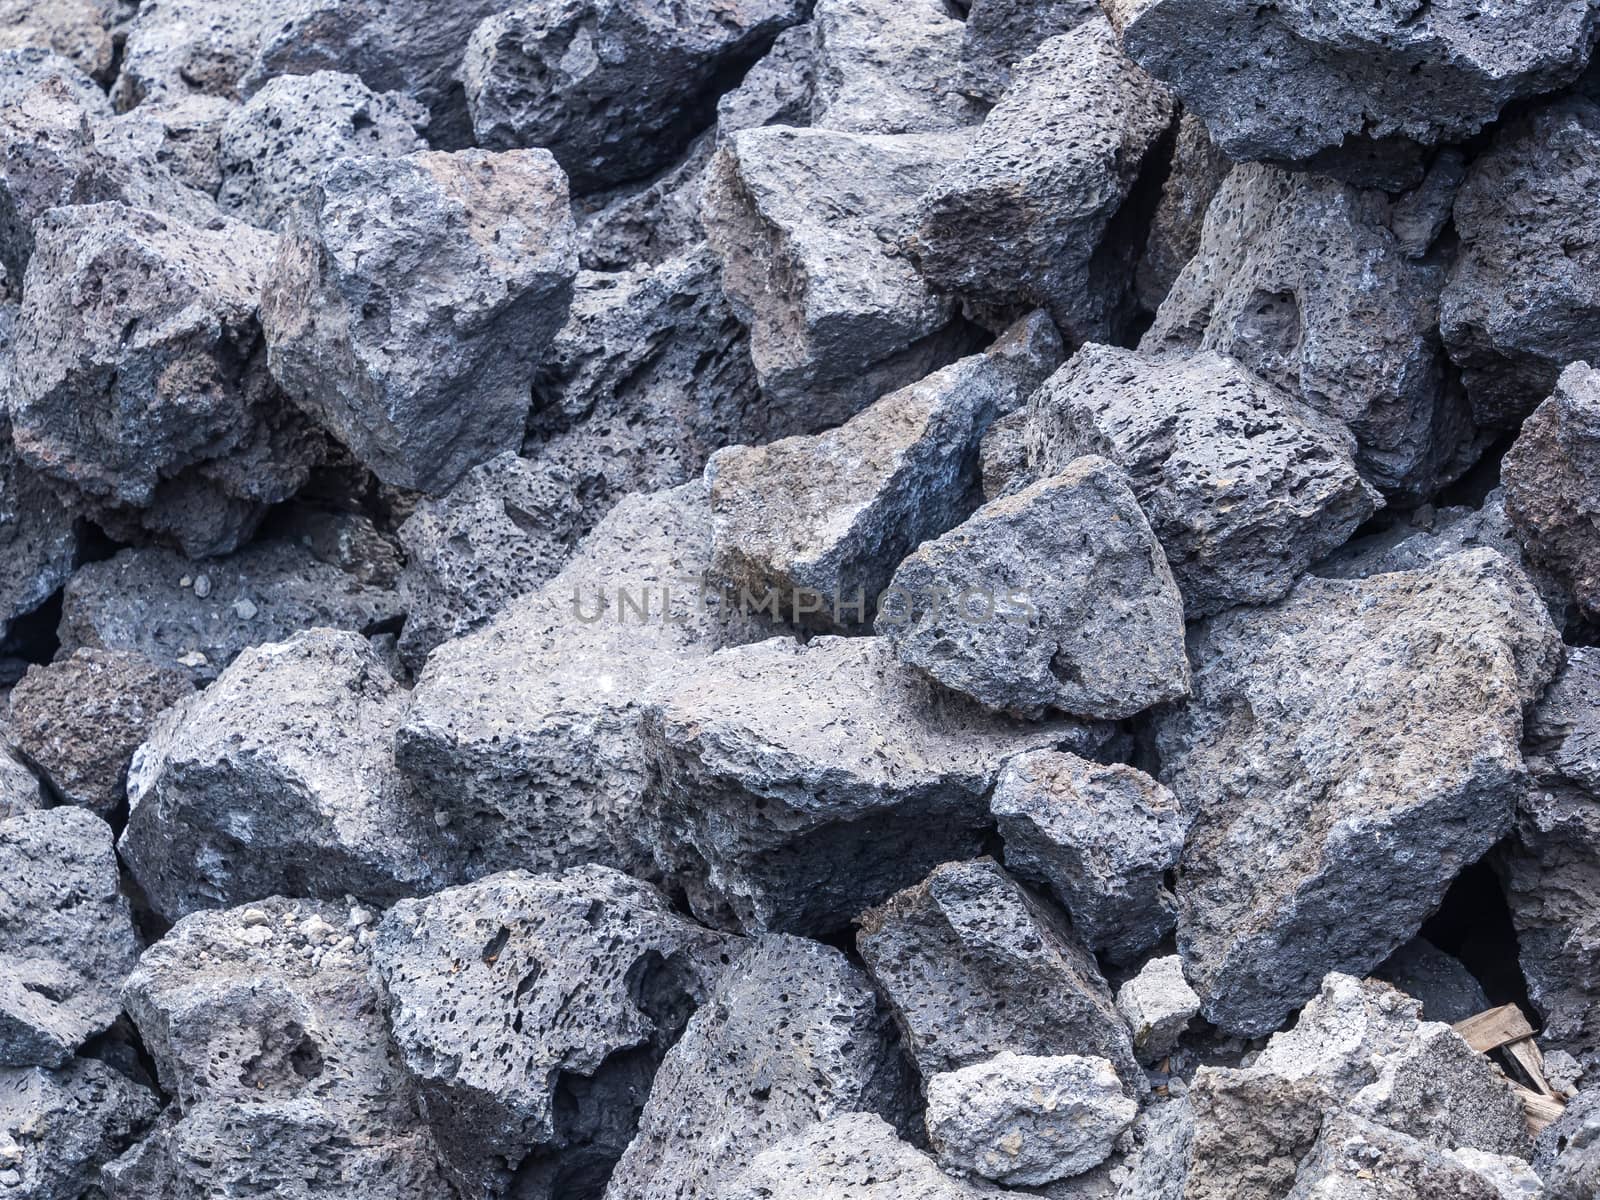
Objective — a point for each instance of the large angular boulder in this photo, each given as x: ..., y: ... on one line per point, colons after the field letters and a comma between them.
x: 1344, y: 755
x: 412, y: 300
x: 183, y: 135
x: 1001, y: 33
x: 792, y: 1035
x: 66, y: 937
x: 58, y: 1128
x: 564, y: 990
x: 175, y: 48
x: 887, y: 66
x: 794, y: 784
x: 1365, y: 1161
x: 1055, y: 597
x: 1026, y: 217
x: 1244, y: 486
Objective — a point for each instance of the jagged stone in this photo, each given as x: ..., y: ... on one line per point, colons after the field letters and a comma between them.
x: 1303, y: 281
x: 1438, y: 981
x: 177, y: 47
x: 1101, y: 838
x: 796, y: 784
x: 506, y: 528
x: 777, y: 90
x: 1243, y: 486
x: 613, y: 90
x: 808, y: 225
x: 1158, y: 1005
x: 1567, y: 1154
x: 267, y: 1030
x: 1358, y: 91
x: 833, y: 514
x: 972, y: 966
x: 1003, y: 456
x: 280, y: 778
x: 38, y: 536
x: 1090, y: 622
x: 1358, y: 1160
x: 346, y: 539
x: 1023, y: 1120
x: 532, y: 1011
x: 1421, y: 215
x: 791, y: 1035
x: 66, y: 938
x: 1344, y: 755
x: 79, y: 720
x: 643, y: 224
x: 276, y: 145
x: 1028, y: 216
x: 139, y: 380
x: 58, y: 1128
x: 182, y: 135
x: 78, y: 30
x: 888, y: 66
x: 1196, y: 171
x: 23, y: 67
x: 1001, y: 33
x: 200, y: 615
x: 1250, y: 1130
x: 471, y: 260
x: 20, y: 790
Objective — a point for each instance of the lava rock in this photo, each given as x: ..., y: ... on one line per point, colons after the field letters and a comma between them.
x: 1364, y: 1161
x: 808, y: 224
x: 1158, y: 1005
x: 778, y: 90
x: 973, y: 966
x: 1001, y: 33
x: 276, y: 145
x: 174, y: 48
x: 39, y: 538
x: 888, y: 66
x: 1003, y: 456
x: 1026, y: 217
x: 412, y: 299
x: 58, y: 1128
x: 1243, y: 486
x: 796, y: 784
x: 280, y: 778
x: 66, y: 937
x: 833, y: 514
x: 20, y: 790
x: 1344, y: 755
x: 1567, y: 1155
x: 1093, y: 623
x: 182, y: 135
x: 645, y: 222
x: 78, y: 30
x: 1101, y: 838
x: 1195, y: 172
x: 79, y: 720
x: 1438, y: 981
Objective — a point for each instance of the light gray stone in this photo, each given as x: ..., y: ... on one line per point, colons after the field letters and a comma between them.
x: 1158, y: 1005
x: 20, y: 790
x: 888, y: 66
x: 1001, y: 33
x: 1358, y: 1160
x: 178, y: 47
x: 78, y: 30
x: 182, y: 135
x: 58, y: 1128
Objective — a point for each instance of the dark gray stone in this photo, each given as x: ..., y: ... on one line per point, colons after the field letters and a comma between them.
x: 58, y: 1128
x: 1001, y: 33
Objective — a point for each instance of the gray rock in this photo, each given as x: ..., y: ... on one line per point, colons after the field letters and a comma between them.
x: 22, y: 67
x: 150, y: 601
x: 1303, y: 281
x: 613, y: 90
x: 796, y: 784
x: 834, y: 513
x: 808, y: 224
x: 1439, y: 982
x: 644, y: 223
x: 268, y: 1032
x: 1243, y: 486
x: 139, y: 380
x: 503, y: 530
x: 280, y: 778
x: 1158, y: 1005
x: 79, y: 720
x: 1358, y: 1160
x: 182, y: 135
x: 1249, y: 1131
x: 888, y: 66
x: 1195, y: 172
x: 38, y: 535
x: 66, y: 938
x: 1001, y: 33
x: 972, y: 966
x: 1521, y: 302
x: 75, y: 29
x: 275, y: 147
x: 1026, y: 218
x: 1567, y: 1154
x: 1101, y: 838
x: 20, y: 790
x: 1003, y: 456
x: 1421, y: 215
x: 1023, y: 1120
x: 1062, y: 599
x: 856, y: 1156
x: 777, y: 90
x: 1344, y: 755
x: 177, y: 47
x: 1354, y: 92
x: 792, y: 1035
x: 413, y: 335
x: 58, y: 1128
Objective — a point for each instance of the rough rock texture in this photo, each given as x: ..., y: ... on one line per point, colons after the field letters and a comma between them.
x: 1303, y: 281
x: 532, y: 1011
x: 792, y: 1035
x: 275, y: 147
x: 66, y: 939
x: 38, y: 536
x: 888, y: 66
x: 973, y: 966
x: 1195, y: 172
x: 1439, y: 982
x: 75, y: 29
x: 201, y: 615
x: 279, y: 778
x: 1158, y: 1005
x: 140, y: 381
x: 268, y: 1032
x: 79, y: 720
x: 1354, y: 91
x: 1001, y: 33
x: 797, y: 784
x: 1101, y: 838
x: 1344, y: 755
x: 613, y: 89
x: 412, y: 299
x: 58, y: 1128
x: 1567, y: 1155
x: 1358, y: 1160
x: 178, y: 47
x: 775, y: 91
x: 1243, y: 486
x: 20, y: 791
x: 182, y: 135
x: 645, y: 222
x: 1025, y: 1120
x: 835, y: 513
x: 1054, y: 597
x: 808, y: 225
x: 1023, y: 220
